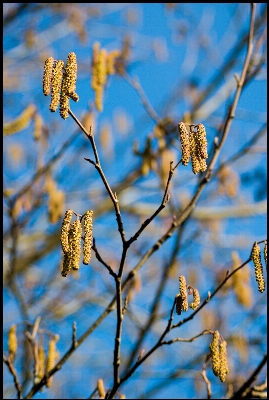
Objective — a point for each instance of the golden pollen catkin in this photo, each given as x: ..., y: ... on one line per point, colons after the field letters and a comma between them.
x: 183, y: 293
x: 256, y: 257
x: 71, y: 73
x: 41, y: 357
x: 65, y: 230
x: 185, y: 142
x: 196, y: 300
x: 21, y: 122
x: 75, y: 243
x: 214, y: 348
x: 201, y: 141
x: 194, y: 158
x: 12, y: 341
x: 87, y: 237
x: 47, y: 76
x: 56, y: 84
x: 223, y: 361
x: 52, y: 357
x: 265, y: 253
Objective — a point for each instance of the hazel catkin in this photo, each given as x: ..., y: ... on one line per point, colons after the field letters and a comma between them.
x: 185, y: 142
x: 47, y: 76
x: 65, y: 230
x: 87, y: 245
x: 256, y: 257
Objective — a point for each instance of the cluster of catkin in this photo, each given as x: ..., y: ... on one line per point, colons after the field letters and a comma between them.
x: 194, y: 146
x: 219, y: 356
x: 103, y: 64
x: 256, y: 257
x: 43, y: 364
x: 71, y: 234
x: 60, y: 81
x: 182, y: 296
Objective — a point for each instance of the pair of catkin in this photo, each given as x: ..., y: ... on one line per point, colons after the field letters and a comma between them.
x: 219, y: 356
x: 60, y: 81
x: 256, y: 257
x: 71, y: 241
x: 194, y: 146
x: 182, y: 297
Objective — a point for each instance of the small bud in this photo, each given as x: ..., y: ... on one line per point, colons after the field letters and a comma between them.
x: 101, y: 389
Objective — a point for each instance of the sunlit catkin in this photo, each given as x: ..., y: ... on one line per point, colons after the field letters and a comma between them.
x: 183, y: 293
x: 223, y: 361
x: 70, y: 77
x: 185, y: 142
x: 41, y: 358
x: 201, y: 141
x: 47, y: 76
x: 21, y: 122
x: 101, y: 389
x: 56, y: 84
x: 12, y: 341
x: 87, y: 245
x: 194, y: 157
x: 265, y: 253
x: 214, y: 348
x: 75, y: 243
x: 256, y: 257
x: 196, y: 300
x: 65, y: 230
x: 52, y: 357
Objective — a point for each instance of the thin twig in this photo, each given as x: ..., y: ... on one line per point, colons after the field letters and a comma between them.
x: 205, y: 378
x: 13, y: 372
x: 99, y: 258
x: 240, y: 393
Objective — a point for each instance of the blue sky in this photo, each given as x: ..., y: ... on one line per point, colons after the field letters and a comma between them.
x: 169, y: 49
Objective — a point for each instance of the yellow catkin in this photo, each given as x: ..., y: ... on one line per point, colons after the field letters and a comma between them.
x: 52, y: 357
x: 241, y: 282
x: 99, y: 98
x: 55, y: 206
x: 256, y: 257
x: 102, y: 67
x: 38, y: 124
x: 66, y: 264
x: 201, y: 141
x: 87, y: 246
x: 47, y: 76
x: 71, y: 73
x: 56, y: 84
x: 265, y: 253
x: 185, y: 142
x: 194, y: 158
x: 214, y: 348
x: 183, y: 293
x: 95, y: 52
x: 65, y: 230
x: 223, y: 361
x: 21, y: 122
x: 41, y: 356
x: 101, y: 389
x: 12, y: 341
x: 111, y: 60
x: 64, y: 105
x: 75, y: 243
x: 196, y: 300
